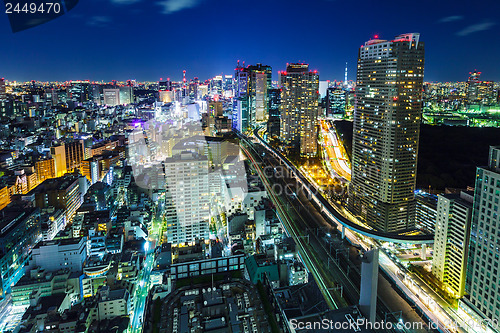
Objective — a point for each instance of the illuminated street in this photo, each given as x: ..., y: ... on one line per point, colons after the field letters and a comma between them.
x: 335, y: 155
x: 141, y: 294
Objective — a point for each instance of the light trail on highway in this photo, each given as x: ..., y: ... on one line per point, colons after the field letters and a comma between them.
x: 334, y: 156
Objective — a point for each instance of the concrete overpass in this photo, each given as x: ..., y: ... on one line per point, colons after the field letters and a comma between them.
x: 333, y: 214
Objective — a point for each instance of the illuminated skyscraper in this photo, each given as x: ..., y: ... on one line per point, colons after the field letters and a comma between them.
x: 299, y: 109
x: 240, y: 121
x: 273, y: 124
x: 188, y: 211
x: 250, y: 104
x: 388, y: 109
x: 228, y: 86
x: 126, y: 94
x: 80, y: 91
x: 165, y: 85
x: 2, y: 89
x: 451, y: 241
x: 74, y: 152
x: 483, y: 266
x: 336, y: 99
x: 45, y: 169
x: 480, y: 92
x: 58, y: 153
x: 111, y: 96
x: 259, y: 84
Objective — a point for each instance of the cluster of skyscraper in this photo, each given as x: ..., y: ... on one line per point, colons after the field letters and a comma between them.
x: 291, y: 110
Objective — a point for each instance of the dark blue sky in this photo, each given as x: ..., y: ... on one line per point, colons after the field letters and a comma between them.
x: 149, y: 39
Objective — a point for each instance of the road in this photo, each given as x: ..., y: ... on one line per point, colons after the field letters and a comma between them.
x: 331, y: 271
x: 333, y: 148
x: 388, y: 297
x: 141, y: 294
x: 299, y: 236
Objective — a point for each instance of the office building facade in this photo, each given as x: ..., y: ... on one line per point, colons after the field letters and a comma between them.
x: 451, y: 241
x: 19, y: 232
x: 54, y: 255
x: 273, y: 123
x: 425, y: 211
x: 483, y: 265
x: 336, y: 101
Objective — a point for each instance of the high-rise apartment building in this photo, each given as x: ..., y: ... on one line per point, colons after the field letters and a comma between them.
x: 188, y: 211
x: 299, y: 108
x: 483, y: 284
x: 451, y: 241
x: 388, y: 109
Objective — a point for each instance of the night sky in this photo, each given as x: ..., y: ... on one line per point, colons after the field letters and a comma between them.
x: 153, y: 39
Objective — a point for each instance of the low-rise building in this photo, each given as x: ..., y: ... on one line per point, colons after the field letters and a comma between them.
x: 59, y: 254
x: 113, y: 303
x: 42, y: 283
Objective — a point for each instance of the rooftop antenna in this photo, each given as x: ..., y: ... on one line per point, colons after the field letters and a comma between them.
x: 345, y: 75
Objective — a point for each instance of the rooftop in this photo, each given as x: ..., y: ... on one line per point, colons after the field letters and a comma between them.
x: 12, y: 216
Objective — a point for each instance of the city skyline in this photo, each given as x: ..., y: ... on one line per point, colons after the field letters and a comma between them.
x: 249, y: 166
x: 101, y: 42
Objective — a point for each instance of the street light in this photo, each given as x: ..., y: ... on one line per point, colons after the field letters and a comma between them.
x: 394, y: 315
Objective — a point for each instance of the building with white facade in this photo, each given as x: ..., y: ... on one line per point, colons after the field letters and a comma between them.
x: 113, y: 303
x: 59, y: 254
x: 188, y: 199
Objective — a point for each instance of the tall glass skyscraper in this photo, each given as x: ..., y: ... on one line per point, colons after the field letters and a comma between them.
x: 260, y: 83
x: 273, y: 124
x: 388, y: 109
x: 250, y: 104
